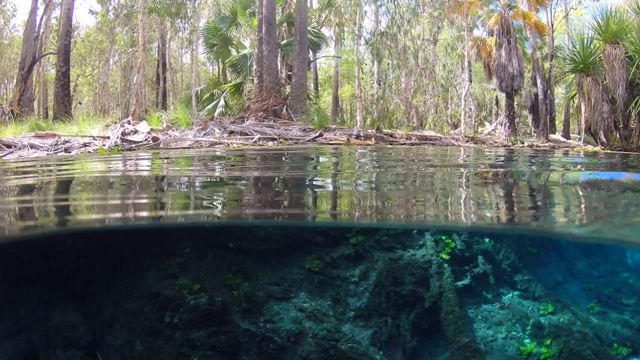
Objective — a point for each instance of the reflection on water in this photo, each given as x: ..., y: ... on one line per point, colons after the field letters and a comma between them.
x: 567, y: 191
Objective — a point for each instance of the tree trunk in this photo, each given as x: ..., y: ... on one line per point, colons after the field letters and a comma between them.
x: 62, y: 102
x: 358, y: 64
x: 298, y: 100
x: 566, y: 120
x: 550, y: 95
x: 467, y: 72
x: 335, y: 94
x: 161, y: 67
x: 259, y: 62
x: 510, y: 112
x: 316, y: 77
x: 271, y: 69
x: 195, y: 79
x: 542, y: 131
x: 43, y: 97
x: 22, y: 102
x: 139, y: 101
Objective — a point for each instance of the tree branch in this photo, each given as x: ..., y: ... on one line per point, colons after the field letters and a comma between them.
x: 324, y: 56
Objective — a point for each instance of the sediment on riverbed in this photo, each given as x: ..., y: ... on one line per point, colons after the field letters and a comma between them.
x: 129, y: 135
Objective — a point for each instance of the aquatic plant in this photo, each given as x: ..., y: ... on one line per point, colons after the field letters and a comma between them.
x: 528, y: 349
x: 237, y: 284
x: 620, y: 350
x: 547, y: 309
x: 594, y: 308
x: 189, y: 287
x: 449, y: 245
x: 313, y: 265
x: 531, y: 348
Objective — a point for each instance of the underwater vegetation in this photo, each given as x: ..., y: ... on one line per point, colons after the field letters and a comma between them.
x: 287, y: 292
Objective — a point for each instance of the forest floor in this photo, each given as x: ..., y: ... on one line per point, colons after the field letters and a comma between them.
x: 128, y: 135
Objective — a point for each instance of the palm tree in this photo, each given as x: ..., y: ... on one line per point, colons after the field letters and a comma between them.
x: 507, y: 63
x: 582, y: 60
x: 228, y: 43
x: 529, y: 15
x: 611, y: 27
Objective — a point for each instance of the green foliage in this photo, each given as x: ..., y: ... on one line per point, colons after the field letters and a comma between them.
x: 582, y: 57
x: 620, y: 350
x: 189, y: 287
x: 318, y: 117
x: 314, y: 265
x: 155, y: 119
x: 526, y: 350
x: 530, y: 348
x: 181, y: 116
x: 447, y: 246
x: 594, y: 308
x: 611, y: 25
x: 547, y: 309
x: 103, y: 151
x: 238, y: 285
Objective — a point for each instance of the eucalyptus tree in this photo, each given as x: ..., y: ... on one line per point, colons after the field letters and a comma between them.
x: 466, y: 10
x: 165, y: 12
x: 139, y: 101
x: 22, y: 100
x: 43, y: 85
x: 9, y: 57
x: 62, y: 101
x: 298, y: 98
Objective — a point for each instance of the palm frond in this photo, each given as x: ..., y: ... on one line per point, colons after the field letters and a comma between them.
x: 583, y: 56
x: 610, y: 25
x: 507, y: 64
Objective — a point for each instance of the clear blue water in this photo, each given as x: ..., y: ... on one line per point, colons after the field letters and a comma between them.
x: 321, y: 253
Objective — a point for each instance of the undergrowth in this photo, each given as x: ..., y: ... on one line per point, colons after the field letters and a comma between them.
x: 179, y: 117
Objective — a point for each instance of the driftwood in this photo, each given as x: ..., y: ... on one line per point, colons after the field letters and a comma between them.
x: 234, y: 132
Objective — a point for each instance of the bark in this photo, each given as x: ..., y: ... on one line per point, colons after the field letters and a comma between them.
x: 194, y: 64
x: 358, y: 64
x: 22, y: 102
x: 542, y: 130
x: 376, y: 58
x: 467, y: 72
x: 43, y: 97
x: 259, y: 62
x: 298, y: 100
x: 271, y: 68
x: 550, y: 95
x: 62, y: 102
x: 566, y: 120
x: 316, y: 78
x: 139, y: 102
x: 335, y: 95
x: 510, y: 112
x: 161, y: 67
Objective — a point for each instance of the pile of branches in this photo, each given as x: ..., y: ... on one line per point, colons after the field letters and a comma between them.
x: 247, y: 131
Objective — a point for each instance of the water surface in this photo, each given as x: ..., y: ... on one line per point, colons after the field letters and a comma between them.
x: 571, y: 192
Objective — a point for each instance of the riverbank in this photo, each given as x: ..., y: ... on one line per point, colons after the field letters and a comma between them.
x: 129, y: 135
